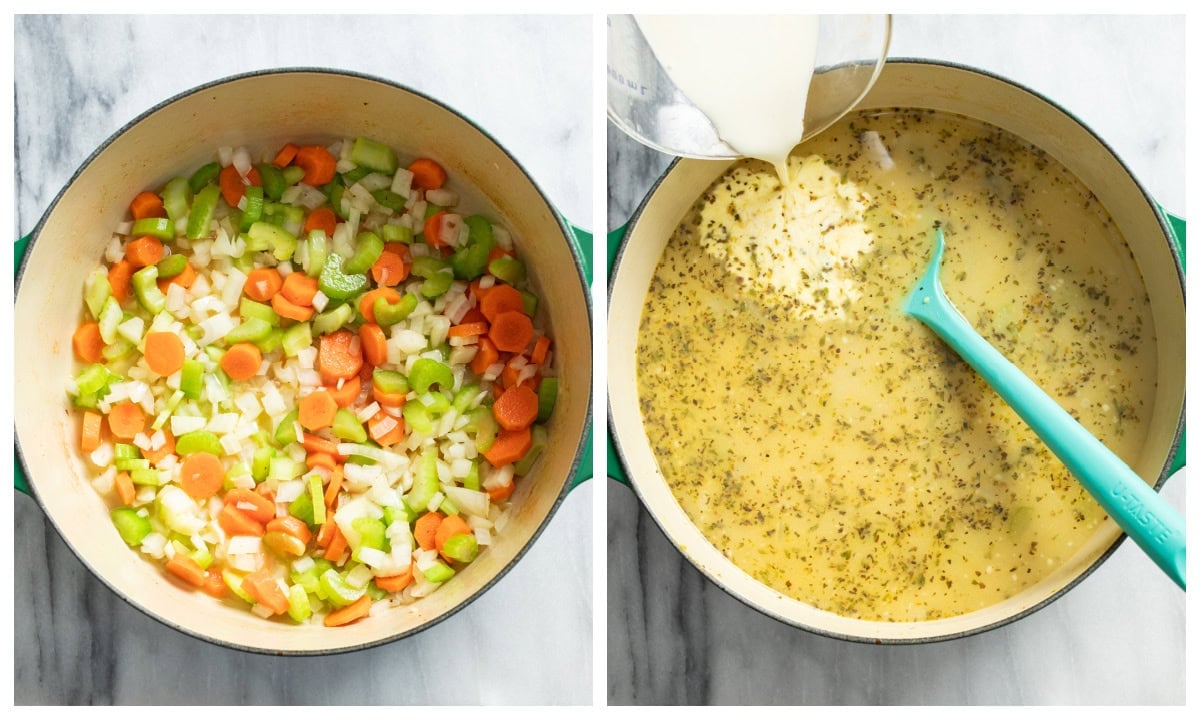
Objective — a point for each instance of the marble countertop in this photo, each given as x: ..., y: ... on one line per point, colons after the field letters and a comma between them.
x: 1117, y: 638
x: 78, y: 80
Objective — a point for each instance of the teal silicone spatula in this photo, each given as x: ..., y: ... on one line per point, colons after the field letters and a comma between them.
x: 1141, y: 512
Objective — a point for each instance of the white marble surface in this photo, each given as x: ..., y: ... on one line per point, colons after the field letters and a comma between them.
x: 1117, y: 638
x: 527, y: 640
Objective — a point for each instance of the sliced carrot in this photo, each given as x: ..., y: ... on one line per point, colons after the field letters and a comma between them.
x: 395, y: 583
x: 508, y: 377
x: 473, y: 315
x: 325, y: 534
x: 126, y: 419
x: 366, y: 305
x: 146, y: 250
x: 427, y: 174
x: 509, y: 447
x: 262, y: 586
x: 450, y: 526
x: 125, y: 489
x: 335, y: 485
x: 486, y: 356
x: 433, y: 230
x: 290, y: 310
x: 120, y: 279
x: 284, y: 157
x: 293, y: 526
x: 89, y: 436
x: 300, y: 289
x: 540, y: 349
x: 186, y: 568
x: 387, y: 399
x: 232, y: 186
x: 322, y: 219
x: 500, y: 493
x: 185, y: 278
x: 236, y: 522
x: 337, y: 545
x: 315, y: 443
x: 498, y: 252
x: 467, y: 329
x: 374, y: 343
x: 202, y: 475
x: 345, y: 395
x: 262, y: 284
x: 516, y: 409
x: 385, y: 429
x: 501, y: 299
x: 356, y: 610
x: 339, y: 356
x: 511, y: 331
x: 257, y: 507
x: 214, y: 584
x: 319, y: 165
x: 241, y: 361
x: 425, y: 529
x: 167, y: 448
x: 87, y: 342
x: 390, y: 269
x: 163, y: 352
x: 320, y: 460
x: 147, y: 205
x: 317, y: 410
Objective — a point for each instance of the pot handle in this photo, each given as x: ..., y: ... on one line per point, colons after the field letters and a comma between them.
x: 616, y: 470
x: 20, y: 482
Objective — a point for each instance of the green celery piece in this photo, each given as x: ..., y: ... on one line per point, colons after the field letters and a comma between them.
x: 374, y: 155
x: 234, y: 582
x: 299, y: 609
x: 486, y: 428
x: 251, y: 329
x: 296, y: 338
x: 204, y: 204
x: 400, y: 513
x: 198, y: 441
x: 374, y: 592
x: 425, y: 481
x: 245, y: 263
x: 191, y: 378
x: 293, y: 174
x: 248, y: 308
x: 531, y: 302
x: 462, y: 547
x: 132, y: 528
x: 332, y: 319
x: 464, y: 396
x: 390, y: 200
x: 318, y: 250
x: 427, y: 372
x: 273, y: 183
x: 118, y: 349
x: 285, y: 434
x: 161, y: 228
x: 261, y: 463
x: 470, y: 261
x: 146, y: 476
x: 283, y: 468
x: 368, y: 248
x: 110, y: 317
x: 86, y: 400
x: 372, y: 531
x: 336, y: 190
x: 126, y: 451
x: 94, y: 379
x: 447, y: 507
x: 96, y: 290
x: 352, y: 176
x: 388, y: 314
x: 302, y: 507
x: 171, y: 265
x: 472, y: 481
x: 203, y: 176
x: 396, y: 233
x: 338, y: 284
x: 439, y: 572
x: 431, y: 210
x: 131, y: 464
x: 547, y: 395
x: 390, y: 381
x: 308, y: 579
x: 525, y: 464
x: 479, y: 229
x: 271, y: 342
x: 254, y: 208
x: 428, y: 266
x: 177, y: 197
x: 281, y: 242
x: 145, y: 287
x: 316, y: 497
x: 435, y: 402
x: 338, y: 592
x: 508, y: 269
x: 282, y: 213
x: 347, y: 427
x: 437, y: 285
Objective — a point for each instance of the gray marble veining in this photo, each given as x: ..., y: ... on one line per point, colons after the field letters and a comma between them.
x: 78, y: 80
x: 1117, y: 638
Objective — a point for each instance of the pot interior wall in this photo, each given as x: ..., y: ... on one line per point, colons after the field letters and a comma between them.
x: 913, y: 85
x: 262, y: 112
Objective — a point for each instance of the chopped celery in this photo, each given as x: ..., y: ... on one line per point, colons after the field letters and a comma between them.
x: 531, y: 302
x: 397, y: 233
x: 171, y: 265
x: 177, y: 196
x: 447, y: 507
x: 547, y: 395
x: 94, y: 379
x: 198, y: 441
x: 299, y: 608
x: 390, y: 200
x: 203, y: 176
x: 261, y: 463
x: 461, y: 547
x: 388, y: 314
x: 437, y: 285
x: 234, y: 582
x: 316, y: 498
x: 335, y: 191
x: 204, y: 205
x: 525, y: 464
x: 486, y: 428
x: 125, y: 451
x: 375, y: 592
x: 347, y: 426
x: 310, y: 578
x: 393, y: 513
x: 296, y: 338
x: 281, y: 242
x: 508, y: 269
x: 285, y: 434
x: 416, y: 416
x: 251, y: 329
x: 471, y: 481
x: 248, y: 308
x: 435, y: 402
x: 110, y: 317
x: 367, y: 248
x: 293, y: 174
x: 439, y: 572
x: 431, y: 210
x: 161, y: 228
x: 253, y: 211
x: 273, y: 183
x: 352, y: 176
x: 191, y: 378
x: 428, y: 266
x: 96, y: 290
x: 284, y: 468
x: 132, y: 464
x: 425, y: 481
x: 146, y: 475
x: 372, y: 533
x: 337, y: 591
x: 132, y: 528
x: 338, y: 284
x: 318, y: 250
x: 374, y: 155
x: 390, y: 381
x: 271, y: 342
x: 464, y: 397
x: 118, y: 349
x: 427, y: 372
x: 332, y: 319
x: 145, y: 287
x: 302, y: 508
x: 470, y: 260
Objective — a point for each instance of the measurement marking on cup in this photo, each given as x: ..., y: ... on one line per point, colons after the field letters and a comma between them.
x: 627, y: 83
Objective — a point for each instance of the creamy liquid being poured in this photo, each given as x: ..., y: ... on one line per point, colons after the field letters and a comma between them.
x: 749, y: 74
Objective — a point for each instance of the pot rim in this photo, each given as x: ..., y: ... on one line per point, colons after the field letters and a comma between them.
x: 567, y: 237
x: 620, y: 453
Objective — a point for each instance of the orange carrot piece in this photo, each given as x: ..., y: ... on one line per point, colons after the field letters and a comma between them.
x: 314, y: 443
x: 516, y: 409
x: 390, y: 269
x: 319, y: 165
x: 450, y: 526
x: 120, y: 279
x: 261, y: 586
x: 395, y: 583
x: 498, y: 252
x: 486, y: 356
x: 337, y: 545
x: 320, y: 460
x: 214, y: 584
x: 325, y: 534
x: 317, y: 410
x: 323, y: 219
x: 541, y: 349
x: 360, y: 608
x: 335, y: 485
x: 393, y: 433
x: 472, y: 315
x: 501, y: 299
x: 467, y: 329
x: 232, y: 187
x: 387, y: 399
x: 125, y: 420
x: 339, y: 355
x: 167, y: 448
x: 125, y: 489
x: 284, y: 157
x: 425, y: 529
x: 511, y: 331
x: 366, y: 305
x: 374, y: 343
x: 290, y: 310
x: 146, y: 250
x: 501, y: 493
x: 262, y: 284
x: 255, y: 506
x: 347, y: 393
x: 185, y: 278
x: 509, y: 447
x: 241, y: 361
x: 202, y: 475
x: 433, y: 230
x: 427, y: 174
x: 89, y: 437
x: 87, y: 342
x: 164, y: 352
x: 300, y: 289
x: 236, y: 522
x: 147, y: 204
x: 186, y: 569
x: 293, y: 526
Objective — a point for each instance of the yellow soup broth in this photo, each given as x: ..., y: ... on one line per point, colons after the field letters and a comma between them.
x: 835, y: 449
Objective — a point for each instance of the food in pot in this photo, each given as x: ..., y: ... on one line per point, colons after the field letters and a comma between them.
x: 835, y: 449
x: 310, y: 382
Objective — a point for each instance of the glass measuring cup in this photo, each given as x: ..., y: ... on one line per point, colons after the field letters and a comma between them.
x: 645, y: 103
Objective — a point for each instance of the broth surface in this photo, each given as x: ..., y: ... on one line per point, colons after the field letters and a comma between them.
x: 835, y: 449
